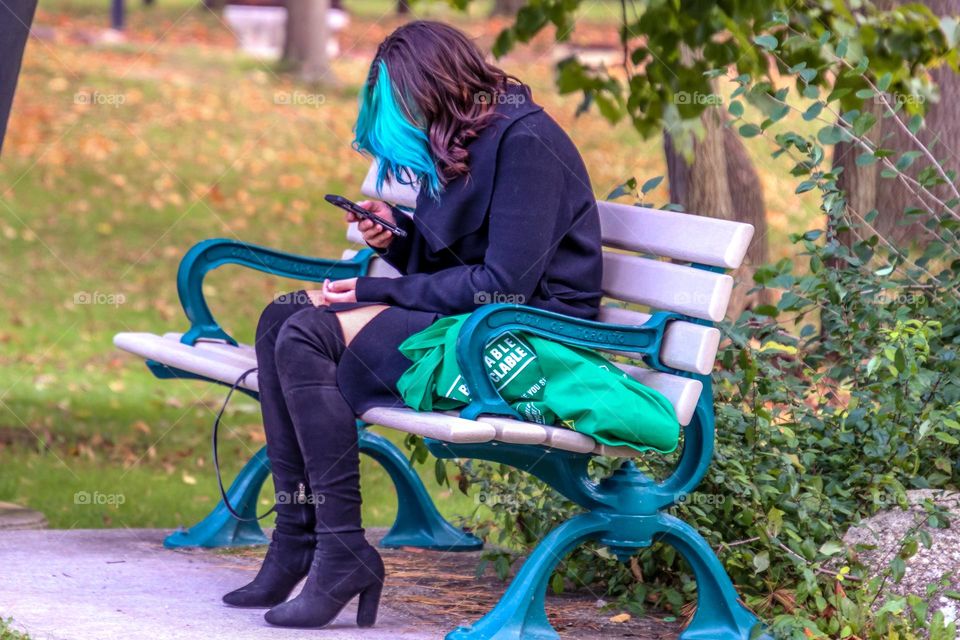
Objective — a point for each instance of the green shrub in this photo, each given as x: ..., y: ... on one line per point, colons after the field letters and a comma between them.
x: 831, y: 404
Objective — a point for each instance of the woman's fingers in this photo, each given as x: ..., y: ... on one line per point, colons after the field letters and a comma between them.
x: 340, y: 285
x: 373, y: 233
x: 340, y: 290
x: 316, y: 297
x: 381, y: 239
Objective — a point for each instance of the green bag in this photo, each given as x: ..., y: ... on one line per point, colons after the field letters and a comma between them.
x: 545, y: 382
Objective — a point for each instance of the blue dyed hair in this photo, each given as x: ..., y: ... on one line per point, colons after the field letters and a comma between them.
x: 387, y: 129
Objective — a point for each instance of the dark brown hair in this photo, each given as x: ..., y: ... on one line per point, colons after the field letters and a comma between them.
x: 447, y: 87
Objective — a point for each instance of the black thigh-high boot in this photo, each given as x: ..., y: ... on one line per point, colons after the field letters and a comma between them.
x: 345, y: 565
x: 292, y: 545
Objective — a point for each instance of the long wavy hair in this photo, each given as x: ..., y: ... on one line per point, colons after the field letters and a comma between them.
x: 429, y: 92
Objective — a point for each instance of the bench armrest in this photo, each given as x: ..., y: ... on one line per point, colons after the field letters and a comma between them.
x: 210, y: 254
x: 491, y: 321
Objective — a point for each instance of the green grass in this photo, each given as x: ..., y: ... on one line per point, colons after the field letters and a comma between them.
x: 102, y: 201
x: 7, y: 632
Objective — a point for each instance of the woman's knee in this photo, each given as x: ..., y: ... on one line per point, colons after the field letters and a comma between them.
x: 275, y: 314
x: 309, y: 333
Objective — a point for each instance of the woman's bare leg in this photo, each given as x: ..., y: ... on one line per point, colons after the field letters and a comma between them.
x: 352, y: 320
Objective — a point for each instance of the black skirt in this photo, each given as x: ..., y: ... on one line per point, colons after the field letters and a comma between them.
x: 370, y: 367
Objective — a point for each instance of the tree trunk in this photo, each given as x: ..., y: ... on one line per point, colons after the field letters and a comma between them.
x: 507, y: 7
x: 866, y: 189
x: 305, y: 45
x: 721, y: 182
x: 403, y: 7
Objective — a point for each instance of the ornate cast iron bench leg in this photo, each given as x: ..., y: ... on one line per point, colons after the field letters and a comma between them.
x: 220, y: 528
x: 418, y: 523
x: 623, y: 512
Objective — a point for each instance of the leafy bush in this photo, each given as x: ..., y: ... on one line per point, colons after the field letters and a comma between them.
x: 831, y: 404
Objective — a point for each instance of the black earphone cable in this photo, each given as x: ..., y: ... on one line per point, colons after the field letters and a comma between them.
x: 216, y: 457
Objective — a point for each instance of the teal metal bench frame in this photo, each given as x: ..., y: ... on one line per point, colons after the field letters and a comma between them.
x: 625, y: 512
x: 418, y: 522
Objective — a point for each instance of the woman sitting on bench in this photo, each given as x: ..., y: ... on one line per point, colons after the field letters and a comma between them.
x: 505, y: 213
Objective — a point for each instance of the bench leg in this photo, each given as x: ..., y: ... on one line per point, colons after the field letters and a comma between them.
x: 520, y: 614
x: 418, y: 522
x: 220, y: 528
x: 720, y: 614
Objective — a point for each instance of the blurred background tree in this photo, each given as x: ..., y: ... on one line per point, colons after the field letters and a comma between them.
x: 674, y: 54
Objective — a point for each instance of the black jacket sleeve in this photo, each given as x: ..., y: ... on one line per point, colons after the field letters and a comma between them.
x: 523, y: 231
x: 397, y: 253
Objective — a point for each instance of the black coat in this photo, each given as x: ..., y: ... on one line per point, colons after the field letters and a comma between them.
x: 522, y: 227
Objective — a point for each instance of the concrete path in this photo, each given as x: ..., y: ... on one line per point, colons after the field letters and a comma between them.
x: 114, y: 583
x: 108, y: 584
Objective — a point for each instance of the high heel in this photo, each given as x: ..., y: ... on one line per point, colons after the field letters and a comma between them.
x: 368, y: 604
x: 335, y: 579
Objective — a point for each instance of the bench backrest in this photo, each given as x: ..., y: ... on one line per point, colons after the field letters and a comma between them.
x: 654, y: 258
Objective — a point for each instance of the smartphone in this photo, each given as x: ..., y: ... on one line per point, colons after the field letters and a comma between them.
x: 362, y: 213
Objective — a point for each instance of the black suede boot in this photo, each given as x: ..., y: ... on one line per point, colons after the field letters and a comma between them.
x: 292, y: 546
x: 345, y: 565
x: 289, y: 555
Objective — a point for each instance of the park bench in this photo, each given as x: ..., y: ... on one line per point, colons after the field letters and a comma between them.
x: 672, y: 264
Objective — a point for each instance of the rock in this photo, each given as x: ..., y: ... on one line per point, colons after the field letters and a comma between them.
x: 16, y: 517
x: 939, y: 565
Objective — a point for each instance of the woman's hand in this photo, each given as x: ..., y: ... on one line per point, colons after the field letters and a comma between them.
x: 374, y: 234
x: 340, y: 290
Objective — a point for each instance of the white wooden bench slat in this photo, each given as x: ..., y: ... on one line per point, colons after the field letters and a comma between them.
x: 682, y: 393
x: 662, y: 285
x: 225, y: 363
x: 666, y: 286
x: 516, y: 432
x: 173, y: 353
x: 393, y: 191
x: 568, y: 440
x: 615, y: 452
x: 242, y: 356
x: 680, y: 236
x: 686, y: 346
x: 379, y: 268
x: 431, y: 424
